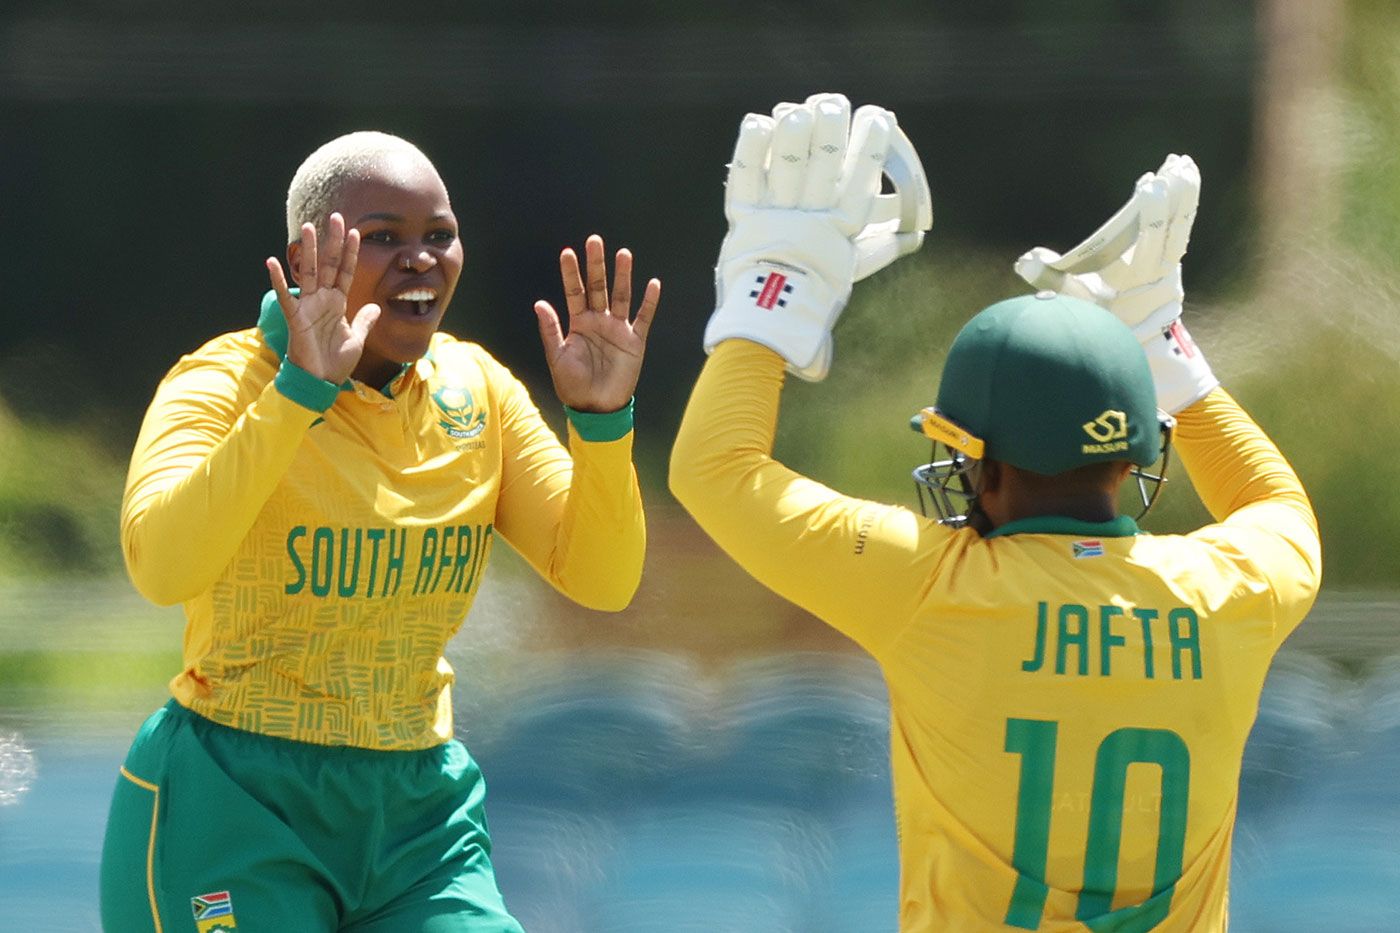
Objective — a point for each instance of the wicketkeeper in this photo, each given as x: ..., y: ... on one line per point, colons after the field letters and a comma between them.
x: 1070, y: 696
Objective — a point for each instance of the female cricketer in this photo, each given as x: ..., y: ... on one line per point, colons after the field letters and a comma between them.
x: 1070, y: 697
x: 322, y: 492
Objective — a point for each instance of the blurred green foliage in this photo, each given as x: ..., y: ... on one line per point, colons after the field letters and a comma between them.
x: 1370, y: 71
x: 60, y: 488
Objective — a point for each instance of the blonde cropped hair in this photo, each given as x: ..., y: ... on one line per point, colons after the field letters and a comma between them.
x: 320, y: 178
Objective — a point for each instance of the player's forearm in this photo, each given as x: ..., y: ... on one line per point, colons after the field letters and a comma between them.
x: 1235, y: 467
x: 725, y: 436
x: 836, y: 556
x: 602, y: 533
x: 192, y: 496
x: 577, y: 520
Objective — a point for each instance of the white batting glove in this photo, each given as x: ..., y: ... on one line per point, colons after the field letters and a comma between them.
x: 807, y: 220
x: 1132, y: 266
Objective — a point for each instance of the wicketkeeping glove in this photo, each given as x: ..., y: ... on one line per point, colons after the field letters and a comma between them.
x: 807, y: 220
x: 1132, y: 266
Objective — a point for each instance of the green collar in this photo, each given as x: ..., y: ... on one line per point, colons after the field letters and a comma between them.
x: 273, y: 325
x: 1120, y: 527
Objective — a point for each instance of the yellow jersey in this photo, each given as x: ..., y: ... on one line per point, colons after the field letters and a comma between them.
x: 327, y: 541
x: 1069, y: 701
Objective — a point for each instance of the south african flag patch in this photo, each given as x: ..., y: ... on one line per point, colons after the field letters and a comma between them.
x: 213, y: 912
x: 1090, y: 548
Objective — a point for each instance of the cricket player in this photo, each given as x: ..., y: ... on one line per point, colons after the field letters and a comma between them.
x: 321, y: 492
x: 1070, y: 696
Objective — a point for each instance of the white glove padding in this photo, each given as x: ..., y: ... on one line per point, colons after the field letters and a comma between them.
x: 1132, y: 266
x: 806, y: 220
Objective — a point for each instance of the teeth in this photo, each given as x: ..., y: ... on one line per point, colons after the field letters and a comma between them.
x: 417, y: 294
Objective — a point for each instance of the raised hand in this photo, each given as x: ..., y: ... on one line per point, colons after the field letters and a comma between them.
x: 595, y: 367
x: 322, y: 339
x: 807, y: 220
x: 1131, y: 265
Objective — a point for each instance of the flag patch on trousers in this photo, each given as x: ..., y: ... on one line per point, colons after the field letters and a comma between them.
x: 213, y: 912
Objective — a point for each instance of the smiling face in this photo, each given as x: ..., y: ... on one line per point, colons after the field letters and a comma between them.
x: 409, y: 263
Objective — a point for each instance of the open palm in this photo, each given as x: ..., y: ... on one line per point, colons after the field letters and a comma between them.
x: 595, y: 367
x: 321, y: 338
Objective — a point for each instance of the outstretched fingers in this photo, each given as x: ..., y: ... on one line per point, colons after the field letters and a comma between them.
x: 621, y: 306
x: 650, y: 299
x: 597, y: 273
x: 309, y: 263
x: 349, y: 258
x: 278, y: 278
x: 574, y: 294
x: 586, y: 291
x: 329, y: 265
x: 364, y: 319
x: 551, y: 332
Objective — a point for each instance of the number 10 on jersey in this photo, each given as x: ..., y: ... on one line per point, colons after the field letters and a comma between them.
x: 1034, y: 740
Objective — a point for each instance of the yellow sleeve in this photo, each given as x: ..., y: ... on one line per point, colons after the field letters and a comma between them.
x: 211, y: 451
x: 577, y: 520
x: 860, y: 566
x: 1265, y: 523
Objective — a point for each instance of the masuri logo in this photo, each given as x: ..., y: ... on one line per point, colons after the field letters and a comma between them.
x: 1109, y: 431
x: 1110, y: 426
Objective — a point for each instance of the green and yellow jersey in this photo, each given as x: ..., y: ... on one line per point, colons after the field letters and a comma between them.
x: 326, y: 541
x: 1069, y: 701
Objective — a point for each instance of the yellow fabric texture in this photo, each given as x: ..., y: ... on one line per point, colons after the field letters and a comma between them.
x: 955, y: 621
x: 324, y: 560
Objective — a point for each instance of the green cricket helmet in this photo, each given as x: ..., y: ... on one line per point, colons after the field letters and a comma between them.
x: 1046, y: 383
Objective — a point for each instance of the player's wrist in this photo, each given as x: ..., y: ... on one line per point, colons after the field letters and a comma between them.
x: 782, y: 306
x: 601, y: 427
x: 305, y: 388
x: 1179, y: 369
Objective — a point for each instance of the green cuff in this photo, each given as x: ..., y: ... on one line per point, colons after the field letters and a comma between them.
x: 601, y: 427
x: 306, y: 390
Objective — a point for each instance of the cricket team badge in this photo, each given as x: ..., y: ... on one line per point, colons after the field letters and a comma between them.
x: 213, y: 912
x: 459, y: 415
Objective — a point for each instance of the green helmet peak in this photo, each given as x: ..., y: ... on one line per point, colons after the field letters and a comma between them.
x: 1048, y: 383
